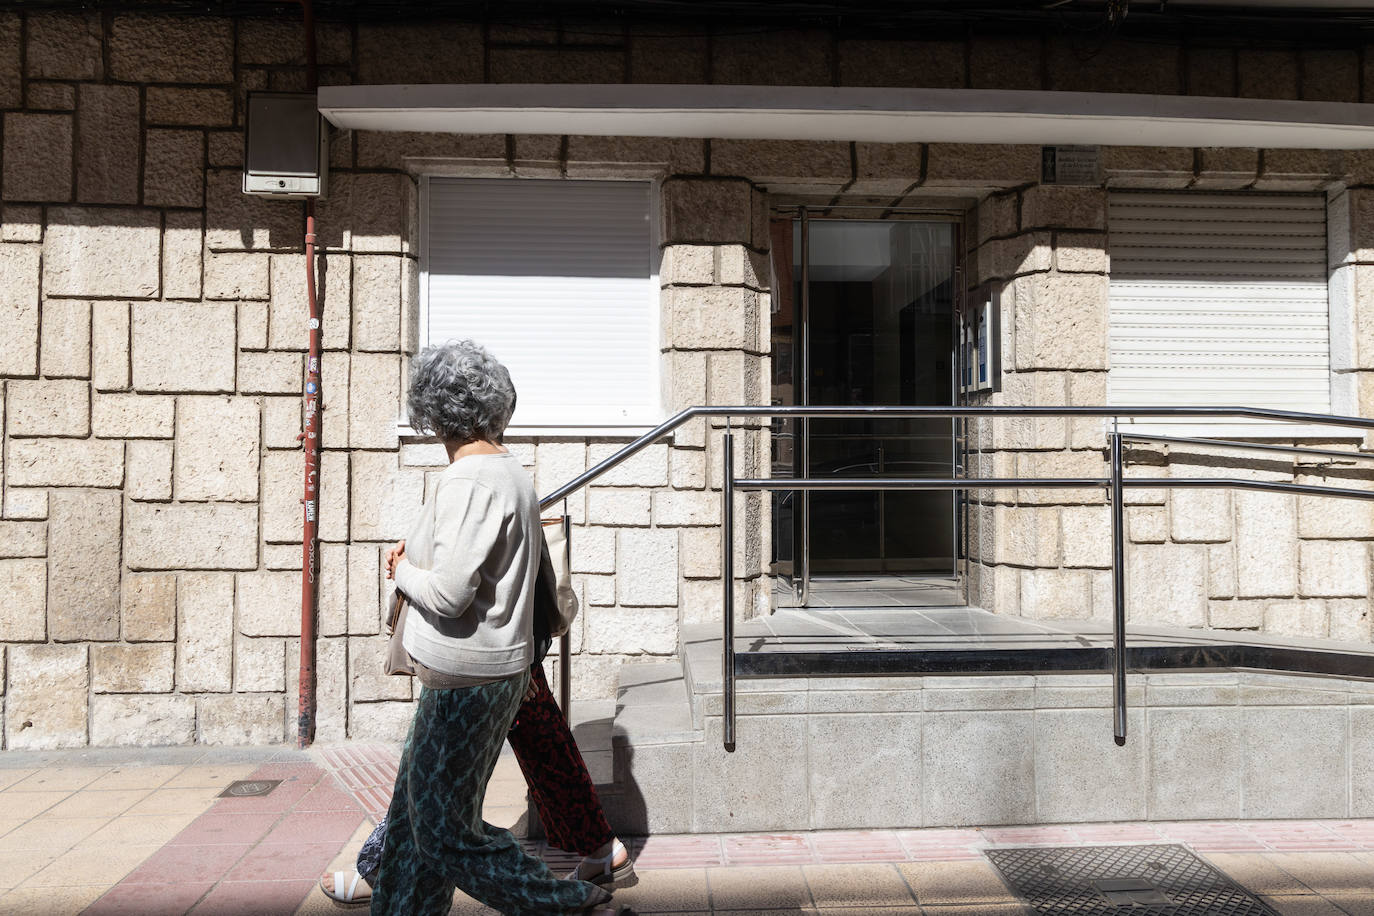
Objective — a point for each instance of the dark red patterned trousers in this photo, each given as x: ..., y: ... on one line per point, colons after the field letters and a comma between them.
x: 560, y: 786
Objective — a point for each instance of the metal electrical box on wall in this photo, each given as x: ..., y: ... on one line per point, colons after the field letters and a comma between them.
x: 980, y: 341
x: 286, y: 146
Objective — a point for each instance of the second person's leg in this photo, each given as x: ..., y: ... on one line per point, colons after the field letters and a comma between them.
x: 559, y: 783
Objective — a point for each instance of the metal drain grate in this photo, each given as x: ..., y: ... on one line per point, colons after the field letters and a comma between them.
x: 250, y: 788
x: 1113, y: 880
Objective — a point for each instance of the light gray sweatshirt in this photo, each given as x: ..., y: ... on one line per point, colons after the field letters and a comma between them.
x: 469, y: 571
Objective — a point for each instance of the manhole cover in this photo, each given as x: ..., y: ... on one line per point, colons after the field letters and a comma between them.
x: 250, y: 788
x: 1114, y: 880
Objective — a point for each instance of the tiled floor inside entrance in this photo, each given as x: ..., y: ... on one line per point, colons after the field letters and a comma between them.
x: 933, y: 627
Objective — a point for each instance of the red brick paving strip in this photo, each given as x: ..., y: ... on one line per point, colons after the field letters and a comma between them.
x: 769, y: 849
x: 367, y: 771
x: 258, y: 856
x: 678, y: 852
x: 857, y: 846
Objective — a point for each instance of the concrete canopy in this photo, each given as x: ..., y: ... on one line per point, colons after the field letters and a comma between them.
x: 862, y: 114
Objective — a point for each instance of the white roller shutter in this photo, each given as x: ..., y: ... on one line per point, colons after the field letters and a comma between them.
x: 557, y: 279
x: 1220, y: 300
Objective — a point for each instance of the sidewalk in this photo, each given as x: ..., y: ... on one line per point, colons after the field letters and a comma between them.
x: 145, y: 831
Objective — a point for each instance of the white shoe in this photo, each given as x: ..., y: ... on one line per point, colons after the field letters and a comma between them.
x: 346, y: 892
x: 601, y: 870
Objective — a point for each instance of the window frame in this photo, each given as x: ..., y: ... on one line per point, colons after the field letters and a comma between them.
x: 644, y: 417
x: 1339, y: 314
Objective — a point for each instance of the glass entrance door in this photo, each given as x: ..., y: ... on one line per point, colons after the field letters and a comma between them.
x: 868, y: 322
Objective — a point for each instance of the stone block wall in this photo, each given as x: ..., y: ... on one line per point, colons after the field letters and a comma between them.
x: 152, y: 338
x: 1042, y: 553
x: 1291, y: 565
x: 154, y: 329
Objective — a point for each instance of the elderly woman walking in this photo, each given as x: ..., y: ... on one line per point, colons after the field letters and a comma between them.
x: 468, y: 570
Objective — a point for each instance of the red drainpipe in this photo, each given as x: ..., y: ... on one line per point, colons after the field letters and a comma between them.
x: 305, y: 720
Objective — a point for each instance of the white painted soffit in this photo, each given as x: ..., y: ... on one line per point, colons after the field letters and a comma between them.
x: 875, y: 115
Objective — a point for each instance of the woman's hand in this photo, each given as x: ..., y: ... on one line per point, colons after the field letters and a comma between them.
x: 393, y: 556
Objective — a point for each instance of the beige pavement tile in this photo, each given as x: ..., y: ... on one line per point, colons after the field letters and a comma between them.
x: 18, y: 865
x: 857, y: 885
x: 105, y: 866
x: 317, y: 904
x: 10, y: 777
x: 866, y: 911
x: 87, y: 803
x: 762, y: 888
x: 136, y: 777
x: 946, y: 883
x: 348, y: 856
x: 57, y: 778
x: 1303, y: 905
x: 507, y: 775
x: 9, y: 823
x: 1257, y: 872
x: 29, y: 804
x: 52, y: 833
x: 138, y: 830
x: 505, y: 816
x: 1360, y: 905
x: 177, y: 801
x: 1329, y: 872
x: 29, y: 901
x: 667, y: 890
x: 210, y: 774
x: 504, y: 804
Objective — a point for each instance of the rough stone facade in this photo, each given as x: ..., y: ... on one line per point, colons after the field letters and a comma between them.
x: 152, y: 337
x: 1290, y: 565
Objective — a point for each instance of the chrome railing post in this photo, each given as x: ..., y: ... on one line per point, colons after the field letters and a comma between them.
x: 1118, y: 591
x: 565, y: 641
x: 727, y: 572
x: 801, y: 384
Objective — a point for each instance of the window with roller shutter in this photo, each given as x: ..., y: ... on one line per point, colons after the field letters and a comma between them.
x: 558, y: 278
x: 1220, y: 300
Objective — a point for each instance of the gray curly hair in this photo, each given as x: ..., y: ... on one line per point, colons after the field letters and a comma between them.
x: 460, y: 391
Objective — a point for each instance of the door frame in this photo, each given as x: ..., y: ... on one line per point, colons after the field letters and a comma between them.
x: 801, y: 574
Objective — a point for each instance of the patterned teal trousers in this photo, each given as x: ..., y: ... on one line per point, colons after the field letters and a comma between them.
x: 436, y: 839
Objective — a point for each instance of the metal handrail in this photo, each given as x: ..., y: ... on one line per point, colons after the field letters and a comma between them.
x: 898, y: 413
x: 1116, y: 483
x: 1257, y: 446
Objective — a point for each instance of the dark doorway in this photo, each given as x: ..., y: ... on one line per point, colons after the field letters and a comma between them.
x: 869, y: 320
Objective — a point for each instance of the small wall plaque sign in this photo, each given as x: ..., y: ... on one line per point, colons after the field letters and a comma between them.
x: 1071, y: 165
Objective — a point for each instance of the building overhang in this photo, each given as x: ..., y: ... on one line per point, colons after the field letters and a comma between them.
x: 876, y: 115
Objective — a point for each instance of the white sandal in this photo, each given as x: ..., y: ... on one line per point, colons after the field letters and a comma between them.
x: 606, y: 874
x: 351, y: 895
